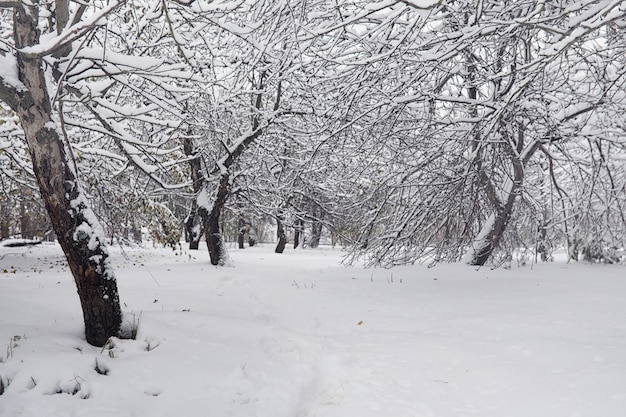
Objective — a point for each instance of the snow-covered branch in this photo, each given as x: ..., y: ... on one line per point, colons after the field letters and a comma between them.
x: 52, y: 42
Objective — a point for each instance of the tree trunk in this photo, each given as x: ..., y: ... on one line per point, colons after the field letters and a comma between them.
x: 252, y: 236
x: 136, y: 232
x: 194, y: 225
x: 316, y: 229
x: 26, y: 226
x: 492, y: 231
x: 280, y: 234
x: 241, y: 228
x: 4, y: 229
x: 299, y: 229
x: 542, y: 246
x: 489, y: 237
x: 75, y: 225
x: 316, y: 234
x: 213, y: 232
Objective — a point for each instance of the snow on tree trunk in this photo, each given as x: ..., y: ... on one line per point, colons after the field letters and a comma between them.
x: 212, y: 229
x: 75, y: 225
x: 492, y: 231
x: 194, y: 225
x: 488, y: 239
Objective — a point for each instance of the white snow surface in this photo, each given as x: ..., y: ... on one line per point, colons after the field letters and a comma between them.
x: 299, y: 335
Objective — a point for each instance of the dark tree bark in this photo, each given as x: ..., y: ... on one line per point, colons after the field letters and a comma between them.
x: 212, y: 229
x: 4, y: 229
x: 241, y: 227
x: 26, y: 226
x: 280, y: 234
x: 194, y: 225
x: 316, y: 227
x: 193, y: 232
x: 490, y: 241
x: 493, y: 230
x: 316, y: 234
x: 213, y: 232
x: 298, y: 233
x: 75, y: 225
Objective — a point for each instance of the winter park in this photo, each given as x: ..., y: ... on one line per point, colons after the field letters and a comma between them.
x: 301, y: 208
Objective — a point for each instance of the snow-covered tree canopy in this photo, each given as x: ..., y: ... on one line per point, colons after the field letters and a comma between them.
x: 410, y: 129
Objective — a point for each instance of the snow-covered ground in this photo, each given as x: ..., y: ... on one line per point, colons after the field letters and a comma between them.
x: 299, y: 335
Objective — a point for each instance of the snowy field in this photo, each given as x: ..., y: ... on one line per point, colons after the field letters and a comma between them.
x: 299, y: 335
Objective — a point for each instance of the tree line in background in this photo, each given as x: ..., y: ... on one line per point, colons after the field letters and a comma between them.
x: 417, y: 130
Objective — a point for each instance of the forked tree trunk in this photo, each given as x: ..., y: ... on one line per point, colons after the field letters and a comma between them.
x: 491, y: 234
x: 75, y: 225
x: 212, y: 228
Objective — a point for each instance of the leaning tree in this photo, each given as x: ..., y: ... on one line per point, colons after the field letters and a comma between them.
x: 107, y: 78
x: 29, y: 63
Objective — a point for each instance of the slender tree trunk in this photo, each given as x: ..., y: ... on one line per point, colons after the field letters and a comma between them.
x: 298, y: 233
x: 491, y: 234
x: 316, y: 228
x: 280, y: 234
x: 241, y: 228
x: 4, y: 229
x: 212, y: 229
x: 136, y: 232
x: 26, y: 227
x: 75, y: 225
x: 194, y: 228
x: 213, y: 232
x: 316, y: 234
x: 194, y: 224
x: 252, y: 236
